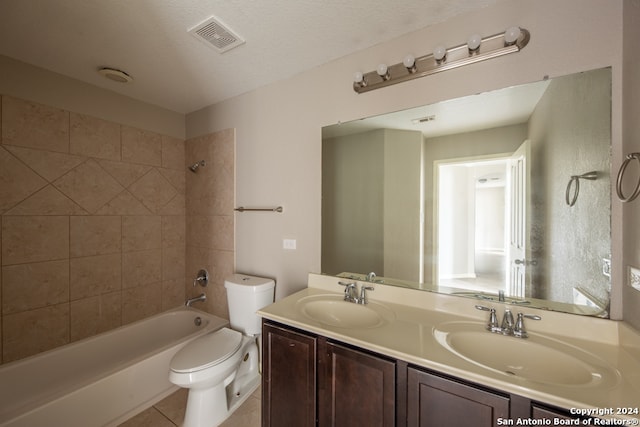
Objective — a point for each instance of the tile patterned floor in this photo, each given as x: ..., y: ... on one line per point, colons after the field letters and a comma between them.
x: 170, y: 412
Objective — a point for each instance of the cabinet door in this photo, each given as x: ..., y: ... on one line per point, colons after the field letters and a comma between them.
x: 288, y: 378
x: 356, y: 388
x: 434, y: 401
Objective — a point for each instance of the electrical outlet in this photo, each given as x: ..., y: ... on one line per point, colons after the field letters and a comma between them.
x: 634, y: 277
x: 289, y: 244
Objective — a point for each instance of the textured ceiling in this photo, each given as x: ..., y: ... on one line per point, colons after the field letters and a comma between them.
x: 149, y: 40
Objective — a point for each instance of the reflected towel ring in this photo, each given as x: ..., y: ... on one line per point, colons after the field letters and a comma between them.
x: 576, y: 179
x: 623, y: 168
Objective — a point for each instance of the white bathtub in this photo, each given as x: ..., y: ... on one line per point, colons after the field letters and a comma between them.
x: 101, y: 380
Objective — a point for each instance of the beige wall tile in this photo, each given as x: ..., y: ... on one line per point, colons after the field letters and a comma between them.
x: 95, y: 235
x: 49, y: 165
x: 140, y: 146
x: 173, y: 153
x: 17, y: 182
x: 47, y: 201
x: 95, y: 275
x: 89, y: 186
x: 34, y: 238
x: 141, y: 232
x: 173, y: 293
x: 141, y: 268
x: 28, y: 124
x: 124, y: 204
x: 153, y: 190
x: 173, y: 263
x: 175, y: 206
x: 141, y: 301
x: 174, y: 231
x: 176, y: 178
x: 223, y: 233
x: 94, y: 315
x: 125, y: 173
x: 34, y: 331
x: 34, y: 285
x: 93, y: 137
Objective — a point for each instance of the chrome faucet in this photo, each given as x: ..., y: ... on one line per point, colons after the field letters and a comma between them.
x: 190, y: 301
x: 507, y: 323
x: 508, y: 327
x: 351, y: 292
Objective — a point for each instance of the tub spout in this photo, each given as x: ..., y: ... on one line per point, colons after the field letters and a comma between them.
x: 190, y: 301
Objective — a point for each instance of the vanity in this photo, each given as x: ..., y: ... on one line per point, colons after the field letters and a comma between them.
x: 418, y: 358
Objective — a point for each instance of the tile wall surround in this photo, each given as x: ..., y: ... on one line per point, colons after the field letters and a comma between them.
x: 210, y: 199
x: 93, y: 225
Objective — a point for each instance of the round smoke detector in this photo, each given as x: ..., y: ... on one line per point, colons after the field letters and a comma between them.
x: 115, y: 75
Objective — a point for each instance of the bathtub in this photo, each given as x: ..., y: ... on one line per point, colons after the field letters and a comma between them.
x: 102, y: 380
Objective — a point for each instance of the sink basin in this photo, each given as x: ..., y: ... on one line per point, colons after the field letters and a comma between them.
x: 536, y: 359
x: 332, y: 310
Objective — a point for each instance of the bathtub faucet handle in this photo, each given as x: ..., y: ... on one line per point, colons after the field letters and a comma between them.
x: 202, y: 279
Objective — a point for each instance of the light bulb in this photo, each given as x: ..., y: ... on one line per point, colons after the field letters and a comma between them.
x: 439, y: 53
x: 383, y: 71
x: 358, y: 77
x: 474, y: 42
x: 511, y: 35
x: 409, y: 62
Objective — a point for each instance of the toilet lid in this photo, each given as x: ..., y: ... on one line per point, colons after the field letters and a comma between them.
x: 206, y: 351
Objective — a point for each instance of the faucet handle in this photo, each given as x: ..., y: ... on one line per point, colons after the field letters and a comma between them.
x: 519, y: 329
x: 493, y: 319
x: 363, y: 293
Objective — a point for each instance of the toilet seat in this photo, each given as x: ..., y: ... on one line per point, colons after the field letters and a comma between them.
x: 207, y: 351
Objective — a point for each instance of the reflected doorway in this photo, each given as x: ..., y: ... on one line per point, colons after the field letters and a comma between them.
x: 481, y: 228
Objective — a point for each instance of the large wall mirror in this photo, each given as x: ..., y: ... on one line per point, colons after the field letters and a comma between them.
x: 503, y: 195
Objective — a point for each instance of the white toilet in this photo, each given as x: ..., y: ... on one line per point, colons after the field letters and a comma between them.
x: 221, y: 369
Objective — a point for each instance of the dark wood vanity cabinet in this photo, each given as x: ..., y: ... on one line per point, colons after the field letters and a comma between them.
x: 288, y: 377
x: 355, y: 388
x: 309, y: 380
x: 433, y: 400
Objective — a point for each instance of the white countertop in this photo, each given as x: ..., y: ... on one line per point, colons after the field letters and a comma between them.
x: 410, y: 337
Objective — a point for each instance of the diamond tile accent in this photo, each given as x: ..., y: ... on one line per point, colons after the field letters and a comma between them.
x: 124, y: 204
x: 153, y: 190
x: 125, y: 173
x: 47, y: 201
x: 89, y: 186
x: 48, y: 165
x: 17, y: 181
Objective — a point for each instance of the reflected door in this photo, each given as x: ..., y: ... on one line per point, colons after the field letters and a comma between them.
x: 519, y: 176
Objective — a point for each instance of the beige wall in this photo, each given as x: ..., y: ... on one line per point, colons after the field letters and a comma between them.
x: 278, y: 128
x: 92, y: 225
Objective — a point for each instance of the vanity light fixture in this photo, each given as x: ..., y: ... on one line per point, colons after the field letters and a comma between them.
x: 441, y: 59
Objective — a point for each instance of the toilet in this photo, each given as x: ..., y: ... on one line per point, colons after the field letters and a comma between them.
x: 221, y: 369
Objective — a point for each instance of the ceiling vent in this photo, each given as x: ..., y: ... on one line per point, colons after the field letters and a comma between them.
x: 216, y: 35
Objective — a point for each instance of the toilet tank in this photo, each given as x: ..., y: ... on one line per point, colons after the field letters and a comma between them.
x: 246, y: 295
